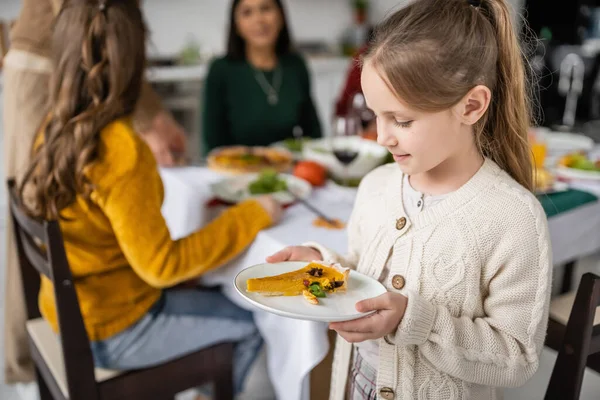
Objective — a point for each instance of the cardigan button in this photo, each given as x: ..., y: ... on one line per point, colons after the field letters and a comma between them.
x: 398, y: 282
x: 387, y: 393
x: 400, y: 223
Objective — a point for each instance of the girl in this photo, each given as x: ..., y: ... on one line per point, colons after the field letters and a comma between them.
x: 451, y: 228
x: 26, y: 75
x: 260, y: 91
x: 91, y: 170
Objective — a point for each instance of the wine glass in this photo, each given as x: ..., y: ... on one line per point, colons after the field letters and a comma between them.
x: 343, y: 149
x: 297, y: 132
x: 358, y: 106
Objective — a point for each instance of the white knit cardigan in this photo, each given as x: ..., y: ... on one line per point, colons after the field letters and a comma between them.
x: 477, y: 268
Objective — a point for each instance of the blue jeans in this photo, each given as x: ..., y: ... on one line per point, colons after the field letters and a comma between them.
x: 181, y: 322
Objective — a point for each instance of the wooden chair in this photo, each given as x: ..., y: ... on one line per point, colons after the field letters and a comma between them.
x: 576, y: 319
x: 4, y: 31
x: 65, y: 365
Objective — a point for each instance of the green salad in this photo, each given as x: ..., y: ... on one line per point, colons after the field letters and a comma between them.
x: 268, y: 181
x: 316, y: 290
x: 295, y: 145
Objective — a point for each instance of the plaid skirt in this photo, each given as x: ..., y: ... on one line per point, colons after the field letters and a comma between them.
x: 362, y: 384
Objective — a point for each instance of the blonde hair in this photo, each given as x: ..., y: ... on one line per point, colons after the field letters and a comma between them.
x: 433, y: 52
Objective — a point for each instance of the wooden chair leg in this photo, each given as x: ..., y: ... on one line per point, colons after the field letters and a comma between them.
x: 593, y: 362
x: 224, y: 387
x: 567, y: 281
x: 42, y: 386
x: 554, y: 335
x: 567, y: 375
x: 223, y: 379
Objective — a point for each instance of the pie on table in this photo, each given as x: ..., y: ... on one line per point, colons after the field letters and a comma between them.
x: 244, y: 159
x: 313, y: 281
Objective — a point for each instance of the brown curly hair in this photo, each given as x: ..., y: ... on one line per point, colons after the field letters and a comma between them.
x: 99, y: 58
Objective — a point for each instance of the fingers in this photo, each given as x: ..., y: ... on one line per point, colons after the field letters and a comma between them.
x: 366, y: 305
x: 361, y: 325
x: 294, y: 253
x: 355, y: 337
x: 179, y: 158
x: 164, y: 158
x: 382, y: 302
x: 356, y: 331
x: 179, y: 142
x: 280, y: 256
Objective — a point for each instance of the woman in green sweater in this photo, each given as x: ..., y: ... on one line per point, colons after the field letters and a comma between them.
x: 259, y: 93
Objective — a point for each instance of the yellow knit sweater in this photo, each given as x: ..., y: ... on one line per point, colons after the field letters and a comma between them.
x: 118, y: 245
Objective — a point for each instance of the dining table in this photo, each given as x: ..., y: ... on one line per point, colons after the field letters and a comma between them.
x: 294, y: 347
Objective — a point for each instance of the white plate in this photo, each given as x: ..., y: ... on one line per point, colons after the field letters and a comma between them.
x: 297, y: 154
x: 334, y: 308
x: 561, y: 142
x: 577, y: 174
x: 235, y: 188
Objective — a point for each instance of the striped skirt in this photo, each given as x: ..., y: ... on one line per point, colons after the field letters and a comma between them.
x: 362, y: 384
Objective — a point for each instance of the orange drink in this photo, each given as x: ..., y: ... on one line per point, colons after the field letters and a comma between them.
x: 539, y: 148
x: 539, y: 151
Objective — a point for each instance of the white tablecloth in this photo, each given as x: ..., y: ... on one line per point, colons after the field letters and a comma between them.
x: 576, y: 234
x: 295, y: 347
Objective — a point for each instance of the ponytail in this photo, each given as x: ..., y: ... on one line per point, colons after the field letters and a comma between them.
x: 504, y: 135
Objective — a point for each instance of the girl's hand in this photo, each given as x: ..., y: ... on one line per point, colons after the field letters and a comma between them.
x: 271, y: 206
x: 166, y: 138
x: 295, y: 253
x: 389, y: 307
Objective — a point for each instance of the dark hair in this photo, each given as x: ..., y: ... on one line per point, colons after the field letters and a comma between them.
x: 236, y: 46
x: 98, y: 50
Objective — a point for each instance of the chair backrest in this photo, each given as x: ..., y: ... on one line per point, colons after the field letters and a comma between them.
x: 41, y: 251
x: 4, y: 30
x: 581, y: 339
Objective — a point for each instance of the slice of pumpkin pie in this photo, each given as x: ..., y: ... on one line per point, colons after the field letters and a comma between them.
x: 313, y: 281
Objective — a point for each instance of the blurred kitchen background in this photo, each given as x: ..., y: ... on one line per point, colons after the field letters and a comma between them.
x: 187, y: 34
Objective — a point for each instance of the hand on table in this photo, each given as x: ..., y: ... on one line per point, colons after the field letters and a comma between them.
x: 166, y: 138
x: 271, y: 206
x: 389, y: 310
x: 295, y: 253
